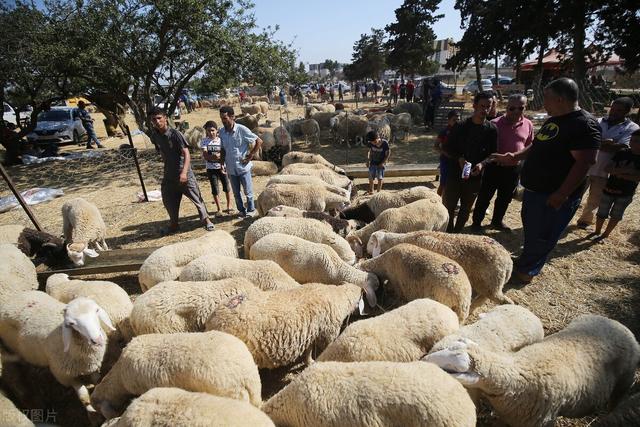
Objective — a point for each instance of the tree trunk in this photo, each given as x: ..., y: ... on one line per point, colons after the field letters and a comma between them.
x: 536, y: 104
x: 478, y: 76
x: 495, y: 65
x: 579, y: 62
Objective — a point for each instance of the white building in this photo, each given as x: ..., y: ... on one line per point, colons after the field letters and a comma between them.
x: 444, y: 49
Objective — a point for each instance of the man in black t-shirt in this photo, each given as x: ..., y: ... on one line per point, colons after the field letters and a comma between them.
x: 554, y: 173
x: 471, y: 141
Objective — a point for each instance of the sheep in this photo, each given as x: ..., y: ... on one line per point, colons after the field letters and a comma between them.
x: 339, y: 225
x: 300, y: 157
x: 309, y: 262
x: 400, y: 125
x: 571, y: 373
x: 166, y: 263
x: 66, y: 338
x: 280, y: 327
x: 383, y: 200
x: 314, y: 169
x: 310, y: 197
x: 307, y: 180
x: 193, y: 136
x: 415, y: 273
x: 251, y: 109
x: 82, y: 225
x: 626, y: 414
x: 263, y: 168
x: 12, y: 416
x: 487, y: 263
x: 33, y: 242
x: 210, y: 362
x: 170, y: 406
x: 424, y: 214
x: 282, y: 136
x: 172, y: 307
x: 350, y: 128
x: 264, y: 107
x: 311, y: 129
x: 112, y: 298
x: 311, y: 109
x: 268, y: 142
x: 250, y: 120
x: 505, y: 328
x: 372, y: 394
x: 265, y: 275
x: 323, y: 119
x: 17, y: 272
x: 307, y: 229
x: 413, y: 108
x: 401, y: 335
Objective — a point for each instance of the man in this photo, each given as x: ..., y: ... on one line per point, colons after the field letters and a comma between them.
x: 237, y: 154
x: 515, y: 132
x: 410, y: 89
x: 471, y: 141
x: 340, y: 92
x: 616, y: 133
x: 178, y: 178
x: 87, y: 123
x: 554, y: 174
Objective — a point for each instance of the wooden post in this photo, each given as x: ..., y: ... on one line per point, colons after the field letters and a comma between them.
x: 135, y: 159
x: 16, y: 193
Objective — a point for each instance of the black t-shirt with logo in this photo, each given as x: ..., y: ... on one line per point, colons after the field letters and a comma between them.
x: 378, y: 153
x: 621, y: 187
x: 549, y: 160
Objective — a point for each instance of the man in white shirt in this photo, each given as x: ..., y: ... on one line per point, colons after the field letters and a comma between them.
x: 616, y: 133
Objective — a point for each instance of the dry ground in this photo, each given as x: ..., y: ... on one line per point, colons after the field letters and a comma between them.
x: 581, y: 277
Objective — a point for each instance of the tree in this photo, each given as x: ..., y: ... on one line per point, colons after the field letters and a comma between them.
x: 411, y: 37
x: 331, y: 66
x: 369, y: 56
x: 299, y: 75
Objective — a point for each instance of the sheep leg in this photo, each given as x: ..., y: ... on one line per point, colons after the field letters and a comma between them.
x: 98, y: 246
x: 83, y: 395
x: 477, y: 302
x: 308, y: 355
x: 104, y: 244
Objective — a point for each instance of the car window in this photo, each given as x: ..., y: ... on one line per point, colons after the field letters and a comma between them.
x: 54, y: 116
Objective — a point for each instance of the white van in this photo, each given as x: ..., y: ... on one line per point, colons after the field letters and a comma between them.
x: 9, y: 114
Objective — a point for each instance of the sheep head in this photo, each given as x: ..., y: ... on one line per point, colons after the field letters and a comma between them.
x: 458, y: 362
x: 84, y: 316
x: 77, y: 252
x: 374, y: 245
x: 356, y: 244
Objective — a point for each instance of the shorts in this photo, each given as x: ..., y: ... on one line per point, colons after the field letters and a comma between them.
x: 376, y: 171
x: 216, y: 175
x: 613, y: 206
x: 444, y: 170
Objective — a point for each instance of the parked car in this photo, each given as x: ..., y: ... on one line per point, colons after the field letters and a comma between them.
x: 345, y: 87
x: 472, y: 86
x: 447, y: 90
x: 502, y: 80
x: 9, y: 115
x: 60, y: 125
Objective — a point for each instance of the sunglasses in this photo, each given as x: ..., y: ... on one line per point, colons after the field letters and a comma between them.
x: 516, y: 108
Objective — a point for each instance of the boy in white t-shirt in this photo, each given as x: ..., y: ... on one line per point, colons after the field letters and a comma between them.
x: 211, y: 148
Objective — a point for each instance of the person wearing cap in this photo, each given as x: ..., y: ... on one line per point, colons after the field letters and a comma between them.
x: 87, y: 123
x: 212, y: 152
x: 376, y: 158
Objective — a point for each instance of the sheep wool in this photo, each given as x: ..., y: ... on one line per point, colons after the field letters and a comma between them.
x: 336, y: 394
x: 265, y: 274
x: 368, y: 208
x: 280, y: 327
x: 83, y: 223
x: 167, y: 262
x: 301, y: 157
x: 17, y: 272
x: 10, y: 416
x: 572, y: 373
x: 172, y: 307
x: 401, y: 335
x: 263, y: 168
x: 339, y: 225
x: 209, y: 362
x: 307, y: 180
x: 174, y: 407
x: 308, y: 197
x: 326, y: 174
x: 415, y: 273
x: 307, y: 229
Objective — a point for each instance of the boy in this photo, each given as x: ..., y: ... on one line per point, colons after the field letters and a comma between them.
x: 624, y: 175
x: 376, y: 158
x: 211, y: 147
x: 452, y: 120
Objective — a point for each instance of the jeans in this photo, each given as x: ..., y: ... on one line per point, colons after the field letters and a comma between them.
x: 502, y: 179
x: 243, y: 180
x: 465, y: 190
x: 91, y: 135
x: 543, y: 226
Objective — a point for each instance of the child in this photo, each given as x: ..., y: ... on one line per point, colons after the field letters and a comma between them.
x: 624, y: 175
x: 211, y: 148
x: 452, y: 119
x: 376, y: 158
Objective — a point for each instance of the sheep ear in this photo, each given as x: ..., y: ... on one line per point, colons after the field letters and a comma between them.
x: 468, y: 379
x: 66, y: 337
x: 104, y: 317
x: 90, y: 252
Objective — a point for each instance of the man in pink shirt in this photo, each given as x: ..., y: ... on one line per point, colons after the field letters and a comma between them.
x: 514, y: 133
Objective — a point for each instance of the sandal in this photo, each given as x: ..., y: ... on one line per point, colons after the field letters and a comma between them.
x: 209, y: 227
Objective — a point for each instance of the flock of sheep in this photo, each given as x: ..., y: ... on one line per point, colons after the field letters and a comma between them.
x: 188, y: 350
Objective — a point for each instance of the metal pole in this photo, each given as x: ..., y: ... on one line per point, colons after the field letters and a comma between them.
x: 135, y: 159
x: 16, y: 193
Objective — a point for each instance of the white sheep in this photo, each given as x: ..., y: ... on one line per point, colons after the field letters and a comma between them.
x: 263, y: 168
x: 315, y: 169
x: 251, y: 121
x: 572, y: 373
x: 308, y: 197
x: 487, y: 263
x: 68, y: 339
x: 10, y: 416
x: 307, y: 229
x: 170, y: 406
x: 415, y: 273
x: 265, y: 274
x: 375, y: 204
x: 310, y: 158
x: 309, y: 262
x: 282, y: 136
x: 323, y: 119
x: 17, y: 272
x: 401, y: 335
x: 194, y: 136
x: 400, y: 125
x: 311, y: 130
x: 424, y: 214
x: 210, y: 362
x: 112, y: 298
x: 281, y: 327
x: 82, y: 225
x: 349, y: 128
x: 171, y: 307
x: 307, y: 180
x: 339, y: 225
x: 250, y: 109
x: 336, y: 394
x: 167, y: 262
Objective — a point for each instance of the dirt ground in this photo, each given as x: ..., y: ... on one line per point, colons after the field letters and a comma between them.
x: 581, y: 276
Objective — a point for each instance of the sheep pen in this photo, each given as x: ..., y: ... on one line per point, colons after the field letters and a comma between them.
x: 580, y: 278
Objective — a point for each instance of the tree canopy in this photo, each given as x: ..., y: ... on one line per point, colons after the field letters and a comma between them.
x: 369, y: 58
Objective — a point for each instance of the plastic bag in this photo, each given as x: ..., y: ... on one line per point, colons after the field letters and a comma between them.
x: 154, y: 196
x: 32, y: 196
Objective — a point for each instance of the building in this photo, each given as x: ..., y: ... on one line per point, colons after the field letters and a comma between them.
x: 319, y: 70
x: 444, y: 49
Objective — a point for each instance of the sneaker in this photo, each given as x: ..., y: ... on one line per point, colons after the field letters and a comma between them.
x: 523, y: 277
x: 242, y: 214
x: 252, y: 213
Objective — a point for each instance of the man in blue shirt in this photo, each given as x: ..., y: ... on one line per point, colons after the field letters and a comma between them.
x: 237, y: 154
x: 87, y: 123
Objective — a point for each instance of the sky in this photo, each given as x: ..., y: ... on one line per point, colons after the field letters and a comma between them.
x: 328, y: 29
